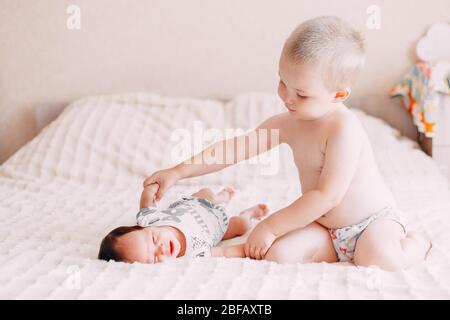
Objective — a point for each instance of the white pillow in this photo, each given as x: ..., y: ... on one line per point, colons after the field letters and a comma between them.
x: 118, y: 140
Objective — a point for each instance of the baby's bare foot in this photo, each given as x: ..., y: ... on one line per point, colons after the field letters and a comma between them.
x: 226, y: 194
x: 258, y: 212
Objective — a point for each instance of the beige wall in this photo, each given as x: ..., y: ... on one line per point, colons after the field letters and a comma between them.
x: 200, y: 48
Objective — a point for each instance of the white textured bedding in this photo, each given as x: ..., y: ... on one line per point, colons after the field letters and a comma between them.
x: 82, y: 176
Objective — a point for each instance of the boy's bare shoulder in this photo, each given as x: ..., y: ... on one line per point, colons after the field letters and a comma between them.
x: 281, y: 122
x: 344, y: 118
x: 277, y: 121
x: 344, y: 122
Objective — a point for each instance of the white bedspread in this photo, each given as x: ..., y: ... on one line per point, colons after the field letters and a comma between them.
x: 82, y: 176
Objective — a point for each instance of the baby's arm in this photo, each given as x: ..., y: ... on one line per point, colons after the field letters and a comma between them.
x: 342, y: 155
x: 147, y: 196
x: 236, y: 251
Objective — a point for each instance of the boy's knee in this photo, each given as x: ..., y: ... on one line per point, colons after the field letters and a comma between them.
x: 272, y: 255
x: 275, y: 254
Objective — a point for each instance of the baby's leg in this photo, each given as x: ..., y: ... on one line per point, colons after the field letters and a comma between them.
x: 240, y: 224
x: 221, y: 197
x: 309, y: 244
x: 393, y: 250
x: 236, y: 251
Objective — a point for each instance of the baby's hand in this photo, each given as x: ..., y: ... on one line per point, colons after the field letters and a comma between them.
x: 164, y: 178
x: 148, y: 195
x: 259, y: 241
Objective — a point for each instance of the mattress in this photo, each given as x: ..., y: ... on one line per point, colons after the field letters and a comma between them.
x: 82, y: 176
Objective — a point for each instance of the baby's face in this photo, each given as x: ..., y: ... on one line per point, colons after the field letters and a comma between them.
x: 149, y: 245
x: 302, y: 90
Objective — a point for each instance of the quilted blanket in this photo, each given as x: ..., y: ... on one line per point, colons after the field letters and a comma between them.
x: 82, y: 176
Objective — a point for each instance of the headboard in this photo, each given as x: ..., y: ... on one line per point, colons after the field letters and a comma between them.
x: 199, y: 48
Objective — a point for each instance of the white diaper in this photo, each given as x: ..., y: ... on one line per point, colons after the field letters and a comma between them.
x: 344, y: 239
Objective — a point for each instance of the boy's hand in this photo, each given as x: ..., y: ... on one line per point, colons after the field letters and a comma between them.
x: 259, y: 241
x: 148, y: 196
x: 165, y: 179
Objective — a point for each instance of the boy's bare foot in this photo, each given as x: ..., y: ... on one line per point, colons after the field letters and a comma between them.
x: 225, y: 195
x: 257, y: 212
x: 423, y: 243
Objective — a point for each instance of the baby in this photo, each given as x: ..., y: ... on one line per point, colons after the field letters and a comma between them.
x: 345, y: 212
x: 190, y: 227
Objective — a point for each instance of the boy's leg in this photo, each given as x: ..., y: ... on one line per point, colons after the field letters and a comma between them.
x: 309, y: 244
x: 239, y: 225
x: 393, y: 251
x: 217, y: 198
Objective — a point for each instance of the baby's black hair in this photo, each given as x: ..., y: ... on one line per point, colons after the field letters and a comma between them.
x: 107, y: 247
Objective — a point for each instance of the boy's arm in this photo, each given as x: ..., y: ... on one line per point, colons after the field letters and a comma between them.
x: 233, y: 150
x: 342, y: 153
x: 265, y: 137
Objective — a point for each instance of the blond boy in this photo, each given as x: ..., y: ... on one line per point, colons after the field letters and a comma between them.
x: 345, y: 212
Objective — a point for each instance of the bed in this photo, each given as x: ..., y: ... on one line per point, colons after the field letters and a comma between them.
x: 82, y: 176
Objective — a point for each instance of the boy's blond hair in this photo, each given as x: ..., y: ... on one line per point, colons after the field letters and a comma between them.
x: 331, y: 43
